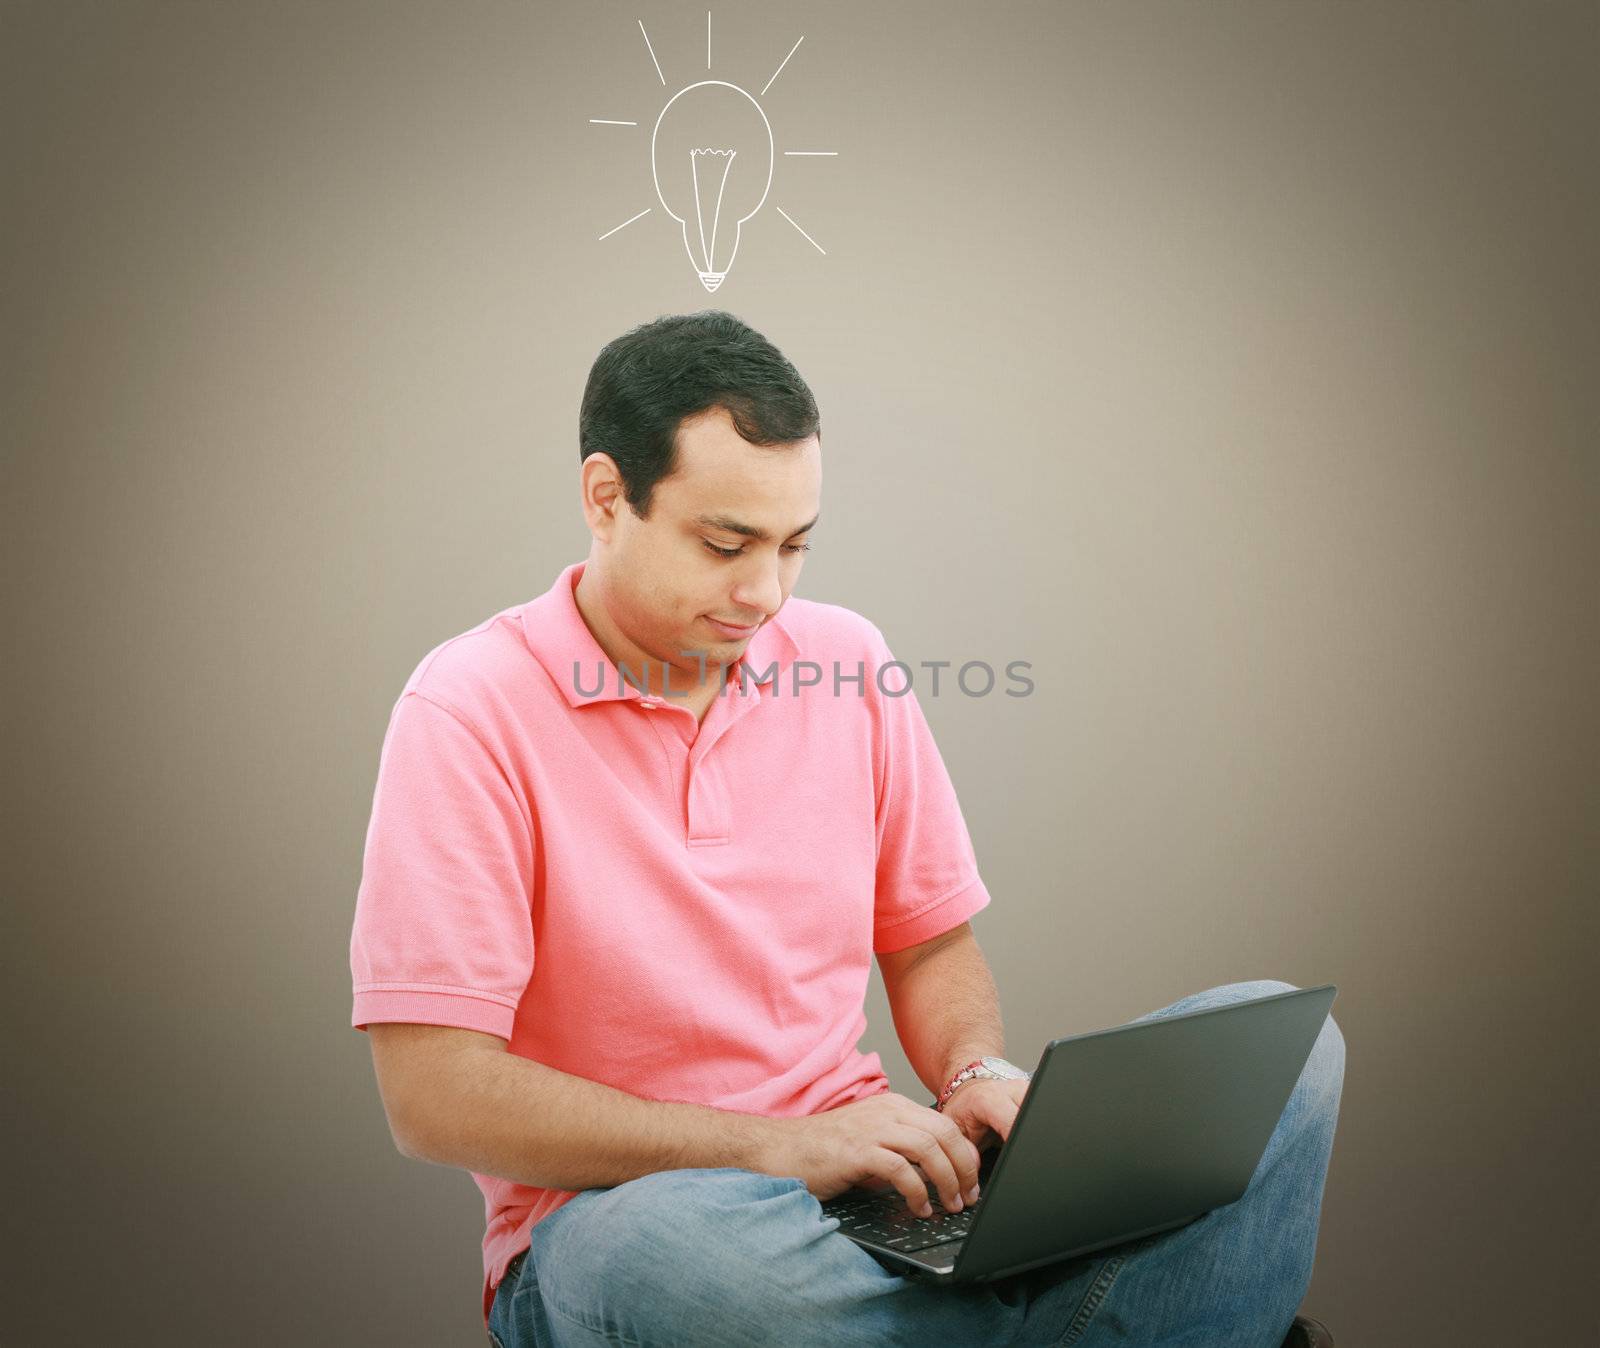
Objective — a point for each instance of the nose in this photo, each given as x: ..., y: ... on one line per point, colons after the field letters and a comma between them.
x: 760, y: 588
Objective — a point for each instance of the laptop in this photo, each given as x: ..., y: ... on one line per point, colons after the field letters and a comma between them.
x: 1124, y: 1132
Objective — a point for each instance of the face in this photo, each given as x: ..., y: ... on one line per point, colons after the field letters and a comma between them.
x: 721, y: 549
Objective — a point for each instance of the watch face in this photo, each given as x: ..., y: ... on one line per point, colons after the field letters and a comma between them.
x: 1001, y: 1068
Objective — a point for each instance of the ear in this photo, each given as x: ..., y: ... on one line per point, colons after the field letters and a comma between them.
x: 600, y: 482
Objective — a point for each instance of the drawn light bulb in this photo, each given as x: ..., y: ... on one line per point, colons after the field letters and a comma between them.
x: 711, y: 156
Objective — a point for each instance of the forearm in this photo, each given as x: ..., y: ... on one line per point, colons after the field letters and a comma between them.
x: 947, y: 1012
x: 521, y: 1120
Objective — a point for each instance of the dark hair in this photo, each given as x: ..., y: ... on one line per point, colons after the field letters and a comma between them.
x: 643, y: 384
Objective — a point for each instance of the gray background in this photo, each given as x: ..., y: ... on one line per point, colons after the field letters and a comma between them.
x: 1233, y: 363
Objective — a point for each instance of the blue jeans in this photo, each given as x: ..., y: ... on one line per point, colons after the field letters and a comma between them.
x: 729, y: 1256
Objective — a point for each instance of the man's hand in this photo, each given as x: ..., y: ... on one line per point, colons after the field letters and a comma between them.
x: 984, y: 1109
x: 884, y: 1137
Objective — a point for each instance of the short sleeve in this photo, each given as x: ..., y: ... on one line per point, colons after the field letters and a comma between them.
x: 927, y: 874
x: 443, y: 931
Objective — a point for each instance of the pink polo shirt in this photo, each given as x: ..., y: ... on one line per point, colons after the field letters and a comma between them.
x: 683, y: 910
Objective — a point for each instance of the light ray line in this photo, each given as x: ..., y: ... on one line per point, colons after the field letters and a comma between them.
x: 653, y: 51
x: 779, y: 70
x: 708, y: 39
x: 811, y: 152
x: 607, y: 121
x: 808, y: 238
x: 630, y: 220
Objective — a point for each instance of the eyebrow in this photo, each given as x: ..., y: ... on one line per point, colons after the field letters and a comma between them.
x: 749, y: 530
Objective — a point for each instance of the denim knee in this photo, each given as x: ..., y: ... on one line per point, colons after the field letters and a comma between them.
x: 620, y: 1269
x: 1253, y: 988
x: 1324, y: 1069
x: 655, y: 1216
x: 1325, y: 1064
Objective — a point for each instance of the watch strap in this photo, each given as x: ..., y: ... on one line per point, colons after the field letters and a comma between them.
x: 975, y: 1068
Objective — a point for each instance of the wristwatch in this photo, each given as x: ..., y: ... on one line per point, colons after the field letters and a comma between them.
x: 993, y: 1069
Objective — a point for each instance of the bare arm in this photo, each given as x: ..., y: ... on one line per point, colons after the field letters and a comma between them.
x: 945, y: 1005
x: 458, y: 1098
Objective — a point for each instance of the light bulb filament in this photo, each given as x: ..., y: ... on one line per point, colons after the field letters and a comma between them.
x: 715, y: 180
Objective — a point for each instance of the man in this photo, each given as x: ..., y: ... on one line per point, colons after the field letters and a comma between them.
x: 629, y: 861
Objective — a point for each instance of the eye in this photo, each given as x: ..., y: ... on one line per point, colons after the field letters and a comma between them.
x: 795, y: 549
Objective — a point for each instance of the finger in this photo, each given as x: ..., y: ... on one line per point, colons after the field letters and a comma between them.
x: 961, y: 1149
x: 1006, y: 1115
x: 970, y: 1128
x: 919, y: 1145
x: 892, y: 1165
x: 924, y: 1145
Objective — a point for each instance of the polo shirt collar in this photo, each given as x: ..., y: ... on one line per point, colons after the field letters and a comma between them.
x: 554, y: 630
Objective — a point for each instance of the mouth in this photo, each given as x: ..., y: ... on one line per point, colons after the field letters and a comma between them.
x: 732, y: 631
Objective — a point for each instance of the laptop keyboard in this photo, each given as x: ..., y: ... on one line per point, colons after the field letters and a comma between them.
x: 885, y: 1219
